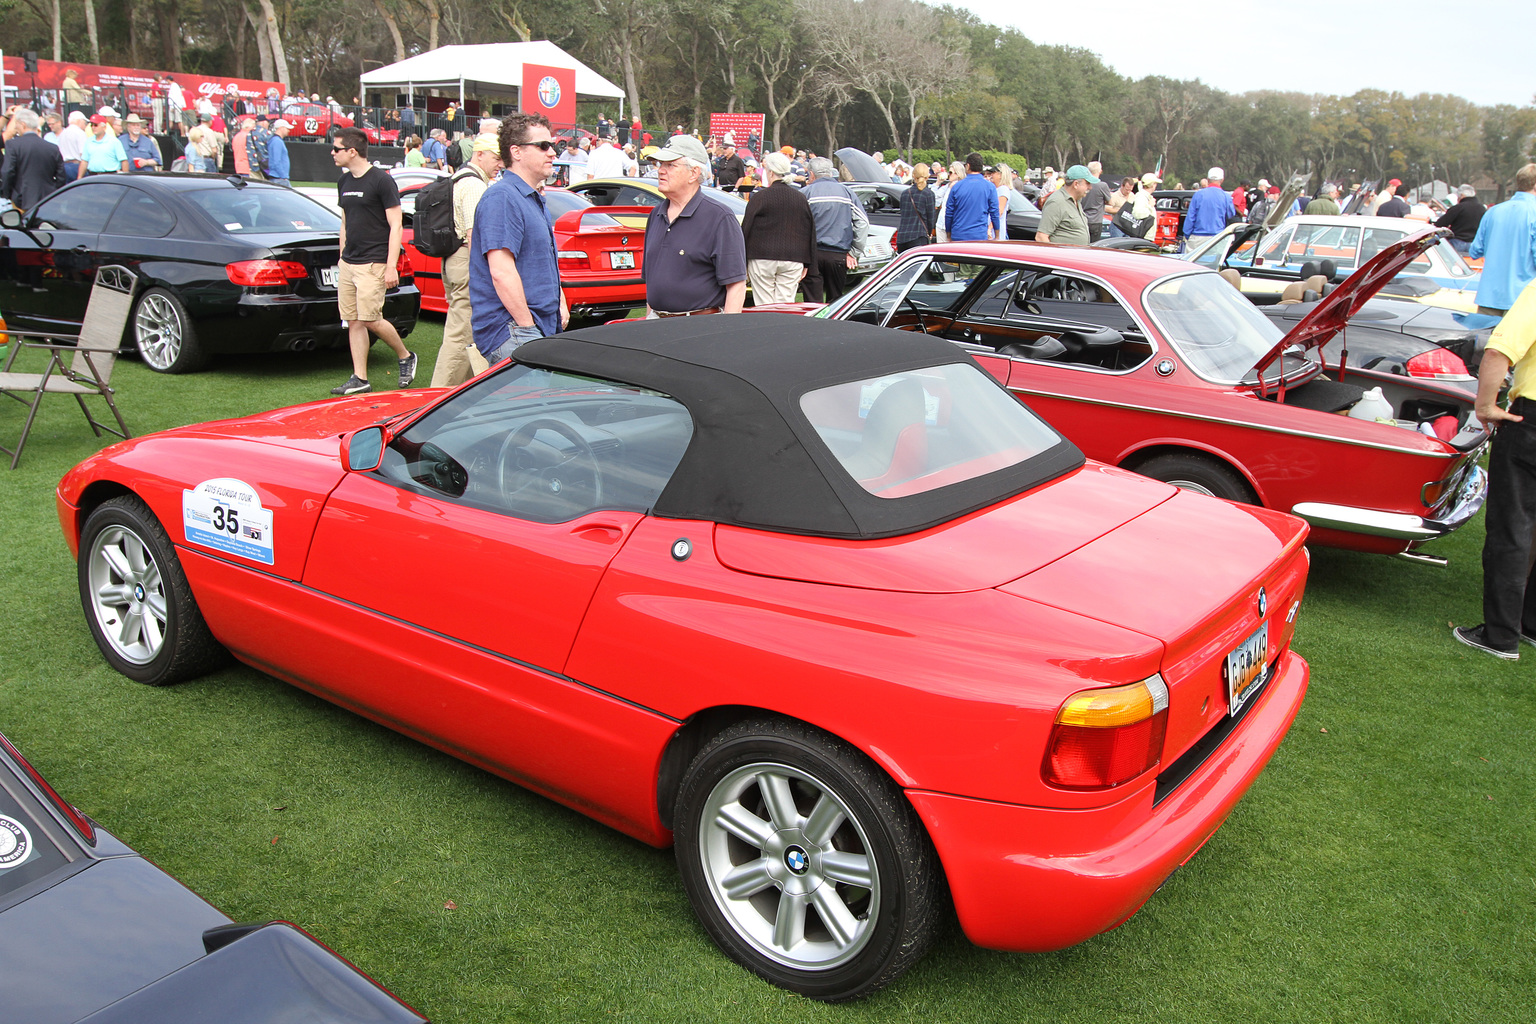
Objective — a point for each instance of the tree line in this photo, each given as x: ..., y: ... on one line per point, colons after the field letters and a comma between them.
x: 876, y: 74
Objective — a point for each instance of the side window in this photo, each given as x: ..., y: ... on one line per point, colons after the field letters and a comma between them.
x: 1377, y: 239
x: 943, y: 283
x: 1313, y: 243
x: 1071, y: 320
x: 141, y: 214
x: 85, y: 208
x: 545, y: 446
x: 875, y: 309
x: 993, y: 300
x: 1272, y: 252
x: 628, y: 195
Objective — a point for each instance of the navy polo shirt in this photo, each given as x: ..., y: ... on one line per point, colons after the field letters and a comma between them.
x: 689, y: 262
x: 511, y: 216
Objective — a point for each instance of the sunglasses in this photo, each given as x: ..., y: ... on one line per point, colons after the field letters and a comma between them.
x: 545, y: 144
x: 340, y: 149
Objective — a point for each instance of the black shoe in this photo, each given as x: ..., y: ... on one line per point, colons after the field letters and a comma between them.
x: 1477, y: 637
x: 355, y: 385
x: 1527, y: 638
x: 407, y: 370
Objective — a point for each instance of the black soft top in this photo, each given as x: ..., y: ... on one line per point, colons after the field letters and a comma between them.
x: 754, y: 459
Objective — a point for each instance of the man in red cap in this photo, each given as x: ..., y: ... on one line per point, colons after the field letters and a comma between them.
x: 1382, y: 196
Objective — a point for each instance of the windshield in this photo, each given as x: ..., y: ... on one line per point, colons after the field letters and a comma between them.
x: 1220, y: 334
x: 915, y: 431
x: 255, y: 210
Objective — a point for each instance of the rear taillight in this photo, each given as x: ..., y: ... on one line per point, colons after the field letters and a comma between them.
x: 266, y: 273
x: 1105, y: 737
x: 574, y: 259
x: 403, y: 265
x: 1438, y: 364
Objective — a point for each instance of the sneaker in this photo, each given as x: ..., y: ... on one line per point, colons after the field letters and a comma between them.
x: 1477, y: 637
x: 407, y: 370
x: 355, y: 385
x: 1527, y: 638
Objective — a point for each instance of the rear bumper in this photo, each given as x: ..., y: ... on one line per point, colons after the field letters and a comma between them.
x: 1034, y: 879
x: 276, y: 323
x: 1462, y: 506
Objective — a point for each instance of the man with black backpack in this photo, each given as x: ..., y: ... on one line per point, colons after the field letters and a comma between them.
x: 445, y: 215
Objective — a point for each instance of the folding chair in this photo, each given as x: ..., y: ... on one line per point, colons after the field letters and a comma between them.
x: 95, y: 353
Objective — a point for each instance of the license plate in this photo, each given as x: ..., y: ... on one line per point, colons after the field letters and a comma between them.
x: 328, y: 277
x: 1245, y: 667
x: 623, y: 260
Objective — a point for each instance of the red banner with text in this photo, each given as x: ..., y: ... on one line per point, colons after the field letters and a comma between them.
x: 119, y: 86
x: 549, y: 91
x: 743, y: 129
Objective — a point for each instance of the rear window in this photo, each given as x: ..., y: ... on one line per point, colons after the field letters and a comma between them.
x: 915, y: 431
x: 256, y: 210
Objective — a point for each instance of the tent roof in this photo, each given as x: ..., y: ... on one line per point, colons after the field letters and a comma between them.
x: 491, y: 67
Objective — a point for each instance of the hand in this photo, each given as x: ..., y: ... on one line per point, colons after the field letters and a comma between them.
x: 1491, y: 414
x: 391, y: 277
x: 853, y: 261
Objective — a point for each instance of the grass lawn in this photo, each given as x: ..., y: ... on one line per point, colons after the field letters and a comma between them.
x: 1380, y: 870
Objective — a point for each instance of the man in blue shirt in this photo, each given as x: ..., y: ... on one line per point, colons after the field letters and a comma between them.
x: 1506, y: 242
x: 277, y: 154
x: 514, y: 276
x: 143, y: 152
x: 435, y: 149
x: 970, y: 211
x: 103, y: 152
x: 1210, y: 210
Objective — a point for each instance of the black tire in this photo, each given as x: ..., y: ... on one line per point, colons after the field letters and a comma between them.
x: 853, y: 938
x: 1200, y: 473
x: 136, y: 597
x: 163, y: 333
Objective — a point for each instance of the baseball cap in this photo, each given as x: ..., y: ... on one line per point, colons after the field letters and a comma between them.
x: 1264, y: 184
x: 777, y: 162
x: 281, y: 123
x: 679, y: 147
x: 1395, y: 182
x: 1151, y: 178
x: 1216, y: 174
x: 205, y: 117
x: 1078, y: 172
x: 98, y: 119
x: 486, y: 143
x: 107, y: 112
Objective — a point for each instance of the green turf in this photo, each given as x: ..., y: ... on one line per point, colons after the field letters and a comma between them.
x: 1380, y: 870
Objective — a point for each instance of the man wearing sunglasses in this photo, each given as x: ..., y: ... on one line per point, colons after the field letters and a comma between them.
x: 370, y: 254
x: 514, y: 275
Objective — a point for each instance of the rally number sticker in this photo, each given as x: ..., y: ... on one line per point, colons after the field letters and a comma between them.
x: 15, y: 842
x: 227, y: 515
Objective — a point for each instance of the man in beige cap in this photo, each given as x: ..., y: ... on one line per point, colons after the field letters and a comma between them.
x: 459, y: 359
x: 695, y: 257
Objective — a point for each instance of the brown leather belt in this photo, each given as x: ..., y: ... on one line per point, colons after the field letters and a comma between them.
x: 691, y: 312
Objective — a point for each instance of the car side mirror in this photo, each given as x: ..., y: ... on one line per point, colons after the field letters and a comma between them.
x: 365, y: 450
x: 11, y: 219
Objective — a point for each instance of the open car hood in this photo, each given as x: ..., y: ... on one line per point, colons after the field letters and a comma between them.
x: 1334, y: 311
x: 861, y: 165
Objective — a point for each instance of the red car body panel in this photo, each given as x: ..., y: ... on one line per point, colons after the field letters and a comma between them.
x: 1290, y: 457
x: 943, y: 655
x: 593, y: 289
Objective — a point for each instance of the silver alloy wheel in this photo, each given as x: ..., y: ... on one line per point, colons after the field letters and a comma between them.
x: 1190, y: 485
x: 789, y: 866
x: 127, y: 594
x: 157, y: 329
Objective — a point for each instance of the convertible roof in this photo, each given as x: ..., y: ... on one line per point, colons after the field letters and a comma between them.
x: 754, y: 459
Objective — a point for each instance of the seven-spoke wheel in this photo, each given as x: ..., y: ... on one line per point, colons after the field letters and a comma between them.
x: 804, y: 861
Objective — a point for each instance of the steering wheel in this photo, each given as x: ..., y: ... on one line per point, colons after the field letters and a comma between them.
x: 906, y: 300
x: 538, y: 470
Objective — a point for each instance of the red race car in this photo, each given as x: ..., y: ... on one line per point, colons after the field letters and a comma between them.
x: 1153, y: 365
x: 316, y: 120
x: 828, y: 609
x: 600, y: 258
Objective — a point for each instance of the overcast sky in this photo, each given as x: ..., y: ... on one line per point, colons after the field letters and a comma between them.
x: 1433, y: 47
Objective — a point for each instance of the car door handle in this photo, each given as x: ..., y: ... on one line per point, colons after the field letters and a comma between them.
x: 81, y: 250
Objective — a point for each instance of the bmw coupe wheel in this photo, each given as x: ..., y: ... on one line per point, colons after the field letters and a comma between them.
x: 137, y: 600
x: 1198, y: 473
x: 804, y: 862
x: 164, y: 335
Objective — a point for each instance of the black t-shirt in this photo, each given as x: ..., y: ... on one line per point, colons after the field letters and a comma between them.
x: 363, y: 204
x: 1394, y: 207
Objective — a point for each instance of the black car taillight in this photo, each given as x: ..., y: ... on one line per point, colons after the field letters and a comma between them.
x: 266, y: 273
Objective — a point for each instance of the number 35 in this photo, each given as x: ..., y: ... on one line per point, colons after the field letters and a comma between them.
x: 226, y: 519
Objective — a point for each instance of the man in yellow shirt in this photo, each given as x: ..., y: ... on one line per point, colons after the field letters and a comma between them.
x: 1509, y: 596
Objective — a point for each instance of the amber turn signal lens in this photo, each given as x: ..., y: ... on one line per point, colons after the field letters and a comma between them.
x: 1106, y: 737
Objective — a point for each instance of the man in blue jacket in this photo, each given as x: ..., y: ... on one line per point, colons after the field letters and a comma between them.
x: 1210, y: 210
x: 277, y: 153
x: 970, y: 212
x: 840, y: 227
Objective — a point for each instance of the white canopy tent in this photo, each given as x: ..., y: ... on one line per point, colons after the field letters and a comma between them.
x: 486, y: 67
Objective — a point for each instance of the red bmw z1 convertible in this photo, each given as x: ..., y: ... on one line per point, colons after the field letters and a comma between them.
x: 830, y: 611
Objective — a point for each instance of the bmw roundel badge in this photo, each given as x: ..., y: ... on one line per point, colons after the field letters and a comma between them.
x: 1164, y: 367
x: 1263, y: 603
x: 796, y: 860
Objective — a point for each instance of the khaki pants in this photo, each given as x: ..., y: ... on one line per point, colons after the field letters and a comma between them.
x: 458, y: 359
x: 774, y: 280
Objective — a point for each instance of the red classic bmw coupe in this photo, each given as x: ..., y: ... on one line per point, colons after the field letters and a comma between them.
x: 1155, y: 365
x: 831, y: 612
